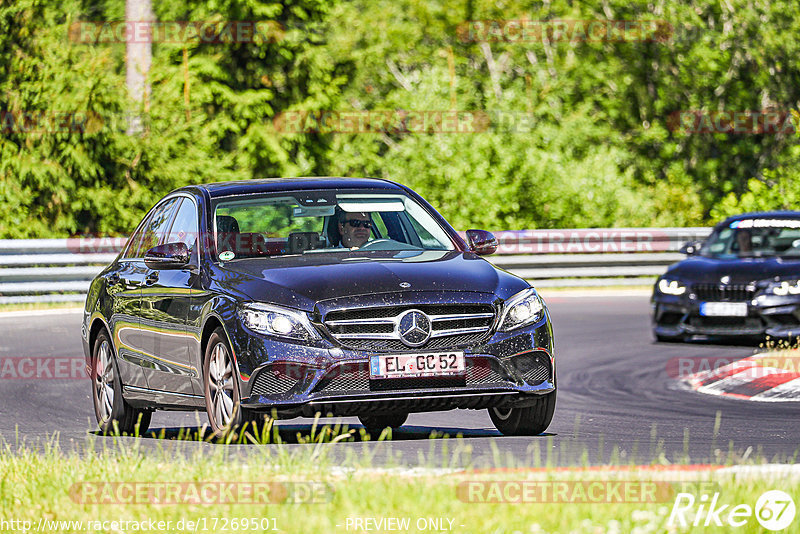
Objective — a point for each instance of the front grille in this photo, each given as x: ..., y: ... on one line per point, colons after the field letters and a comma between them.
x: 784, y: 319
x: 272, y: 382
x: 720, y: 292
x: 393, y: 345
x: 376, y: 329
x: 483, y: 372
x: 345, y: 378
x: 534, y: 367
x: 732, y: 325
x: 670, y: 319
x: 422, y: 382
x: 537, y: 374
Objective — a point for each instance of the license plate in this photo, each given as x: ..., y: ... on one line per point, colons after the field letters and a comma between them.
x: 723, y: 309
x: 414, y: 365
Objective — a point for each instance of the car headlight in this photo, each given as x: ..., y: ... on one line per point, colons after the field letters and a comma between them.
x: 787, y: 287
x: 522, y: 309
x: 671, y: 287
x: 277, y: 321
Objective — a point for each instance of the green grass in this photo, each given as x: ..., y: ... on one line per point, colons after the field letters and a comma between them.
x: 39, y: 306
x: 45, y: 482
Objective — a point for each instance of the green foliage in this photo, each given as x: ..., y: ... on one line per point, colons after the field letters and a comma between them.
x: 779, y: 191
x: 588, y: 139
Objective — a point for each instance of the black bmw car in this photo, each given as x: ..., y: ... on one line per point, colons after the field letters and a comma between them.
x: 292, y: 297
x: 744, y: 280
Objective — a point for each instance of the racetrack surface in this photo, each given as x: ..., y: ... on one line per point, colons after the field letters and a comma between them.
x: 614, y: 393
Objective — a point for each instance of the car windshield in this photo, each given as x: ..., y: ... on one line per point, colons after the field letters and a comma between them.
x: 755, y: 238
x: 319, y: 222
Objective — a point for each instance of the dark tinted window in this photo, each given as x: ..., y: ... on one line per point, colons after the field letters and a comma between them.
x: 155, y: 231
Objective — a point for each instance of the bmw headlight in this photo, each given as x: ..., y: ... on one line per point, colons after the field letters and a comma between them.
x: 787, y: 287
x: 671, y: 287
x: 277, y: 321
x: 522, y: 309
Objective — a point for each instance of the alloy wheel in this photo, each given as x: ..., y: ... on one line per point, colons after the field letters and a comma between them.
x: 220, y: 382
x: 104, y: 381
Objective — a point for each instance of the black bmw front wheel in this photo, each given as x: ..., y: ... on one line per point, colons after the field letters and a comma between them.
x: 527, y: 421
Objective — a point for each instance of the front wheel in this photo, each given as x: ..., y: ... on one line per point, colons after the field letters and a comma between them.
x: 376, y: 423
x: 113, y: 414
x: 527, y: 421
x: 220, y: 385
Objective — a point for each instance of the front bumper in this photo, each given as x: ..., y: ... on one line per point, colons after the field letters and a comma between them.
x: 507, y: 370
x: 767, y: 315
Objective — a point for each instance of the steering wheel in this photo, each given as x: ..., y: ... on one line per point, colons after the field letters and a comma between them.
x: 371, y: 244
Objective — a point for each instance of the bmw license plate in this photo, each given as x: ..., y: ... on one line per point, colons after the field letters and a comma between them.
x: 415, y: 365
x: 723, y: 309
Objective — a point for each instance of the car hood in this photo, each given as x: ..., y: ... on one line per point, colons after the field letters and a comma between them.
x: 302, y: 281
x: 739, y: 270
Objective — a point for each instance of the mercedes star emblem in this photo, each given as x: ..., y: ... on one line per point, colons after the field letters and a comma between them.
x: 414, y: 328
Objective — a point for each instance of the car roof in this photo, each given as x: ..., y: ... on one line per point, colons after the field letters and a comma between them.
x: 783, y: 214
x: 269, y: 185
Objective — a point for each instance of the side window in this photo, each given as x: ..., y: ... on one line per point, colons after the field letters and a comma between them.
x: 134, y: 240
x: 156, y: 228
x: 379, y: 227
x: 184, y: 227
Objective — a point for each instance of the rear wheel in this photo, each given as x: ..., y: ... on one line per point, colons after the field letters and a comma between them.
x: 221, y: 386
x: 527, y: 421
x: 113, y: 414
x: 376, y: 423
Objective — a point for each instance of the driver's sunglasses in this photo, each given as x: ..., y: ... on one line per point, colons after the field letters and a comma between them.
x: 358, y: 223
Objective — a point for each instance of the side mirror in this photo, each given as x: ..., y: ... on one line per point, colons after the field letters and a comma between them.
x: 481, y: 242
x: 167, y: 256
x: 691, y: 248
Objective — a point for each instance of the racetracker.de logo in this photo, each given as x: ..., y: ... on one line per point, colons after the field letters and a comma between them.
x: 49, y: 122
x: 200, y: 493
x: 564, y: 31
x: 208, y: 32
x: 42, y: 368
x: 380, y: 121
x: 713, y: 367
x: 741, y: 122
x: 574, y: 491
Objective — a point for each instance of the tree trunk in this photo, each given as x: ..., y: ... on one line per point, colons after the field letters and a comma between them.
x: 139, y: 52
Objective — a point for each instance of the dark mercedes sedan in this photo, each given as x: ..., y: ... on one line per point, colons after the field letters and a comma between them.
x: 744, y: 280
x: 293, y: 297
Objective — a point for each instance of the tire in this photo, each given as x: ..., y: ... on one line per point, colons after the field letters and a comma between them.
x: 113, y: 414
x: 376, y: 423
x: 221, y: 386
x: 527, y: 421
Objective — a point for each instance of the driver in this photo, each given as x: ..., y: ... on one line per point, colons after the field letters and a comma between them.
x: 355, y: 229
x: 744, y: 241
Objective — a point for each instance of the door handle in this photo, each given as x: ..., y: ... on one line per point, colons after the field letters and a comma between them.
x: 151, y: 278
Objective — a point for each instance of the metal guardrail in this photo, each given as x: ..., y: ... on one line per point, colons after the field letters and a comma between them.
x: 59, y: 270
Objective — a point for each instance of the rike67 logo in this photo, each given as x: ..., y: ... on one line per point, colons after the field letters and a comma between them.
x: 774, y: 510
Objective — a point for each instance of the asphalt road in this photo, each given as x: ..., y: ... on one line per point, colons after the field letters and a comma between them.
x: 616, y: 402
